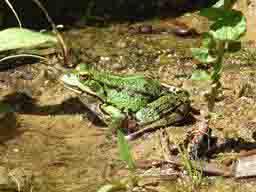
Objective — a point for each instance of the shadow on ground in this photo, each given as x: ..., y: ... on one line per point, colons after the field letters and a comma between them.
x: 24, y: 104
x: 8, y: 127
x: 231, y: 145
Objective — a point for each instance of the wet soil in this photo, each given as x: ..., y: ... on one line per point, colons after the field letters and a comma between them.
x: 55, y: 137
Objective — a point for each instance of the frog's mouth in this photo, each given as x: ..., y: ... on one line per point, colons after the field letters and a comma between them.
x: 71, y: 81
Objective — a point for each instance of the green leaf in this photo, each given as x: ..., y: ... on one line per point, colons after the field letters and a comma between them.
x: 5, y: 108
x: 230, y: 28
x: 229, y: 25
x: 124, y: 150
x: 202, y: 55
x: 200, y: 75
x: 213, y: 14
x: 20, y: 38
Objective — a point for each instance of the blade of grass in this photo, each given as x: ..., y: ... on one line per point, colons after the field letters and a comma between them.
x: 124, y: 150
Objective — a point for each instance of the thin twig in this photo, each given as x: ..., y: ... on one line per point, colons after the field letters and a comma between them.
x: 22, y: 55
x: 14, y: 12
x: 55, y: 30
x: 165, y: 144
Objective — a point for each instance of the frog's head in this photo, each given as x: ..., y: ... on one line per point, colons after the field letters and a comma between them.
x: 76, y: 78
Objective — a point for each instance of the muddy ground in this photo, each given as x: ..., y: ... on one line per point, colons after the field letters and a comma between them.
x: 56, y: 140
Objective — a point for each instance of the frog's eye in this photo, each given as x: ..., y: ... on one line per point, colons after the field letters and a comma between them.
x: 83, y: 76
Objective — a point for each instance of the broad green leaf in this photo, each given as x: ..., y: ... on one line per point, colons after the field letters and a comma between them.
x: 20, y: 38
x: 124, y: 150
x: 213, y: 14
x: 5, y: 108
x: 200, y: 75
x: 229, y: 29
x: 202, y: 55
x: 229, y: 25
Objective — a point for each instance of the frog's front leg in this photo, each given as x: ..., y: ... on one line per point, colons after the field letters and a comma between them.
x: 115, y: 116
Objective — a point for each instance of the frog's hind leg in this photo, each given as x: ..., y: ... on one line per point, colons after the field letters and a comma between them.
x: 169, y: 119
x: 159, y: 108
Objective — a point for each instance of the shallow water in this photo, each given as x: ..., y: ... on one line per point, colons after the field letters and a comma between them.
x: 56, y: 138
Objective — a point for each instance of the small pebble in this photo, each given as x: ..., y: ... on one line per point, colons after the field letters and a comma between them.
x: 121, y: 44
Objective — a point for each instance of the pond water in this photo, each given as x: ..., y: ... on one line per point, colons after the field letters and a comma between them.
x: 56, y: 138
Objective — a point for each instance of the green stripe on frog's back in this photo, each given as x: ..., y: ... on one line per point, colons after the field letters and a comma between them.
x: 135, y: 83
x: 124, y: 100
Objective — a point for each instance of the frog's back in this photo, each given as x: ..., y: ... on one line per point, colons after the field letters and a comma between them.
x: 125, y: 100
x: 135, y: 83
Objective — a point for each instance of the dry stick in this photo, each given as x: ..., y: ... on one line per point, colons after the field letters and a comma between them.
x: 55, y: 30
x: 165, y: 144
x: 141, y: 132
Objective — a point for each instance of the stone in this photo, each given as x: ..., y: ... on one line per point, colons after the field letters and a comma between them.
x: 246, y: 167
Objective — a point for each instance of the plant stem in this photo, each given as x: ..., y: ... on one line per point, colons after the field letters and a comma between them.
x: 216, y: 85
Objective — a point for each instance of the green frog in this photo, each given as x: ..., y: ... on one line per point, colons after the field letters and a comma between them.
x: 132, y: 98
